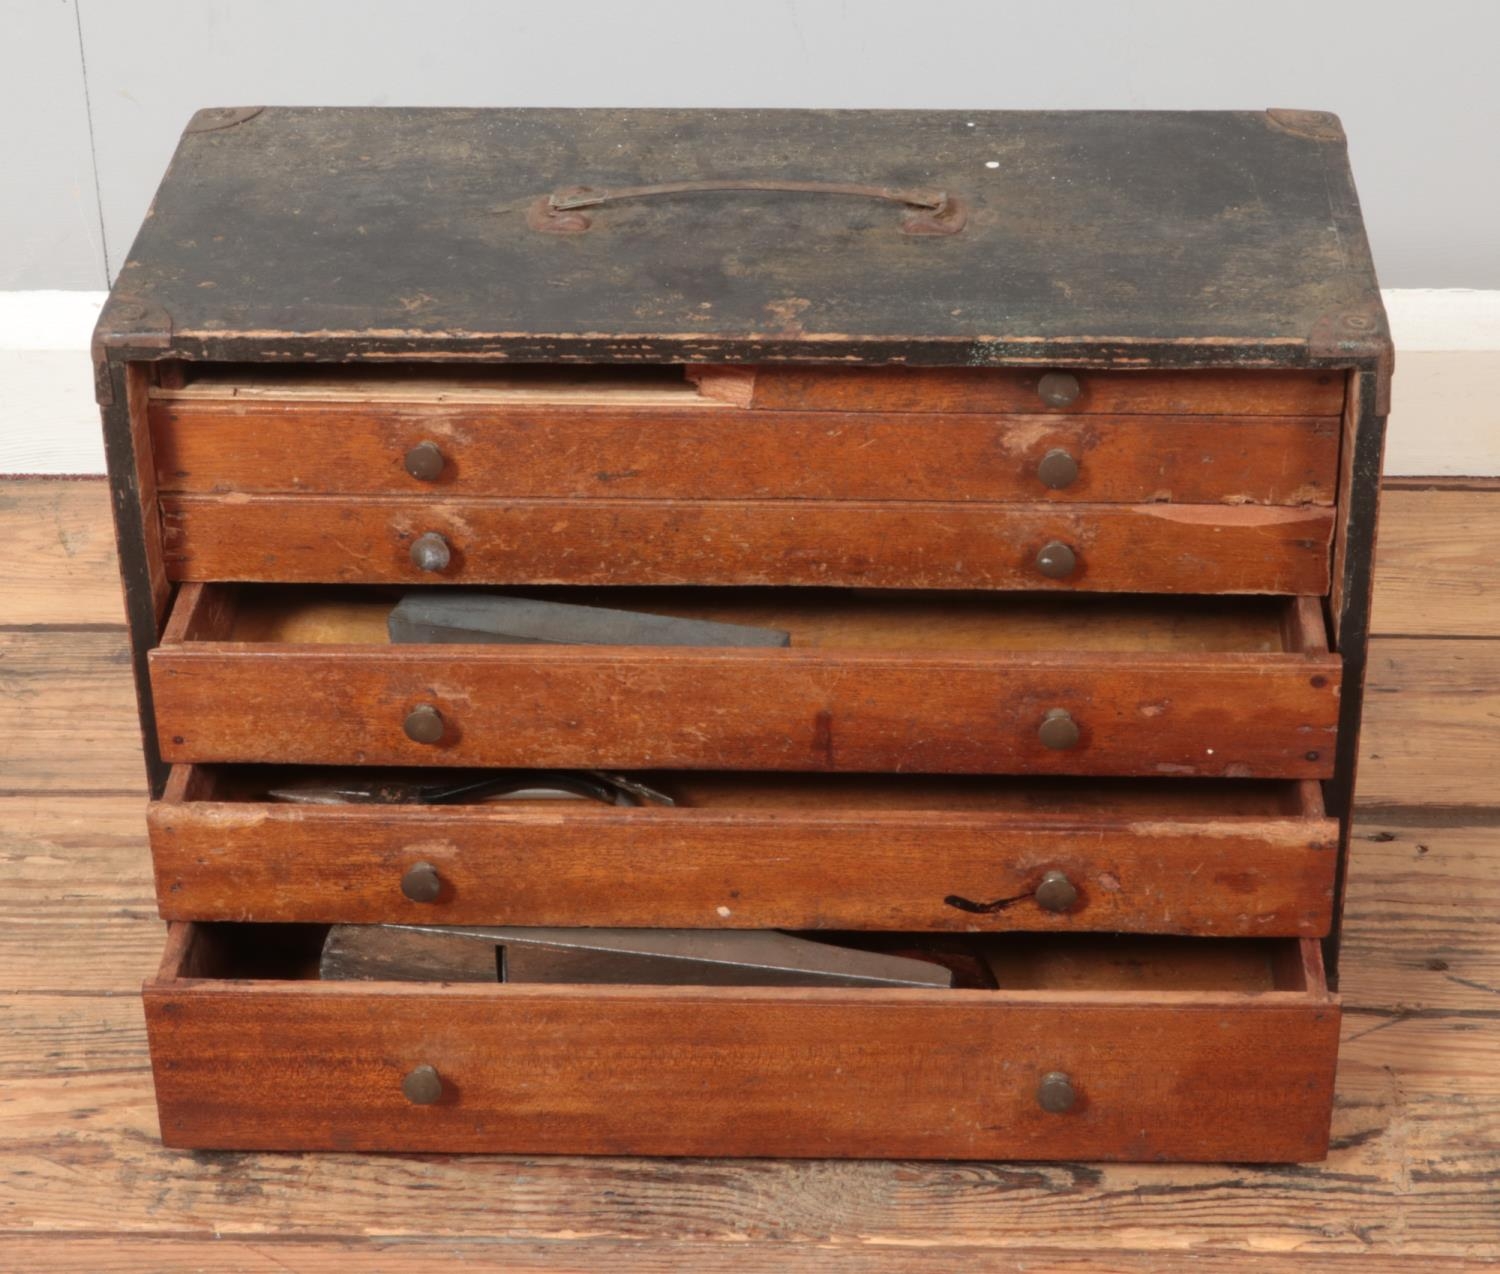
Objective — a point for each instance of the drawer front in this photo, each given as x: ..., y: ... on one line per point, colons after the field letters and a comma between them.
x: 1149, y: 548
x: 796, y: 856
x: 954, y: 687
x: 1057, y: 391
x: 1226, y: 715
x: 1188, y: 1075
x: 719, y: 452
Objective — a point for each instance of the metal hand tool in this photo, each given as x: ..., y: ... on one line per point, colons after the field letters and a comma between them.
x: 689, y: 957
x: 435, y: 788
x: 465, y: 617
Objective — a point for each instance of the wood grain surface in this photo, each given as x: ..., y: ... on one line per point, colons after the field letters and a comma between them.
x: 262, y: 445
x: 243, y: 1065
x: 1439, y: 573
x: 61, y: 549
x: 70, y: 723
x: 789, y: 867
x: 939, y: 389
x: 773, y: 1252
x: 1412, y: 1183
x: 1234, y: 715
x: 1430, y: 734
x: 141, y: 469
x: 907, y: 544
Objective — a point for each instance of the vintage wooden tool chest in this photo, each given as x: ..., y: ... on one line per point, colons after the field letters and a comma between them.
x: 1052, y: 440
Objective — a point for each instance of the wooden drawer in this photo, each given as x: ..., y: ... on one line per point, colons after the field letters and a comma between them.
x: 959, y: 684
x: 1172, y: 1048
x: 964, y: 389
x: 1140, y: 548
x: 765, y: 851
x: 606, y: 476
x: 598, y: 433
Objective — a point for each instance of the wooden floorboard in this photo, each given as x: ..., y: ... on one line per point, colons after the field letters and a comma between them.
x: 1432, y: 710
x: 1438, y: 572
x: 71, y: 866
x: 60, y: 553
x: 69, y: 719
x: 1423, y: 918
x: 1432, y: 723
x: 1412, y: 1182
x: 774, y: 1255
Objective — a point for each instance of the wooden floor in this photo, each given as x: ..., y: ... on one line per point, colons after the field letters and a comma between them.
x: 1413, y: 1180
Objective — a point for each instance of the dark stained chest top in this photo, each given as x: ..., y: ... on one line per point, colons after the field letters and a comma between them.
x: 1175, y: 238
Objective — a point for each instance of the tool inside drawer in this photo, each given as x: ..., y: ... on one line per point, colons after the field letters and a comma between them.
x: 955, y: 853
x: 811, y: 618
x: 687, y: 792
x: 848, y: 680
x: 1010, y: 962
x: 1078, y: 1048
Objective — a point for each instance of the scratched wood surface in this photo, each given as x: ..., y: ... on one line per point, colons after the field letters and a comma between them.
x: 723, y: 452
x: 786, y: 868
x: 1413, y: 1181
x: 1127, y: 548
x: 1162, y: 250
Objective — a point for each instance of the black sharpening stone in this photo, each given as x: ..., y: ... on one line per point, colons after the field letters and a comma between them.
x: 456, y: 618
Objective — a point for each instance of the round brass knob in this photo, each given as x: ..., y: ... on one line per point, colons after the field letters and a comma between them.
x: 430, y: 552
x: 425, y: 462
x: 1056, y: 560
x: 423, y: 724
x: 421, y: 883
x: 1056, y: 1094
x: 1058, y: 469
x: 1058, y: 729
x: 422, y: 1086
x: 1055, y: 892
x: 1059, y: 389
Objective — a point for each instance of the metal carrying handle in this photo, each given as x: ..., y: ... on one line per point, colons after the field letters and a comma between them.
x: 928, y: 211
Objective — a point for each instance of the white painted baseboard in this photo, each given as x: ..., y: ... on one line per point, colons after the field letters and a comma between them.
x: 1445, y: 402
x: 1445, y: 396
x: 48, y: 420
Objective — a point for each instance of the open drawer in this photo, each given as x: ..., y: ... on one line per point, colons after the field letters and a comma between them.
x: 958, y: 683
x: 762, y: 851
x: 1089, y: 1048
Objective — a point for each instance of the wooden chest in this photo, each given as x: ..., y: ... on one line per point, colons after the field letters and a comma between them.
x: 1051, y: 439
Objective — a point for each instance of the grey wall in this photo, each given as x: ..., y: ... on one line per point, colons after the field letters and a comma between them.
x: 95, y: 92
